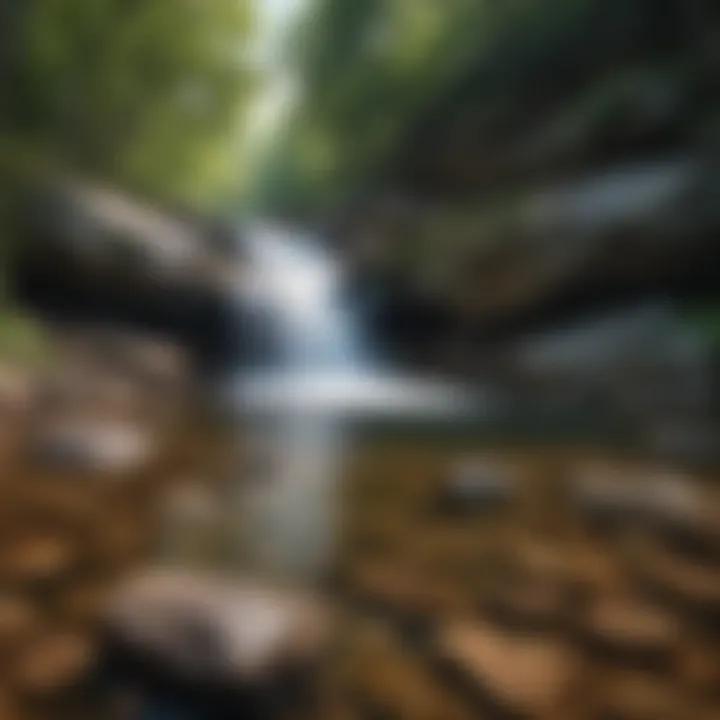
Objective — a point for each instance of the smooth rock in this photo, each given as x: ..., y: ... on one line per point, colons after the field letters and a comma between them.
x: 632, y: 631
x: 400, y: 589
x: 473, y: 485
x: 671, y: 505
x: 682, y: 581
x: 18, y: 620
x: 207, y: 629
x: 18, y: 391
x: 94, y: 446
x: 36, y: 558
x: 53, y: 662
x: 608, y: 495
x: 694, y: 443
x: 523, y: 676
x: 528, y: 604
x: 638, y: 697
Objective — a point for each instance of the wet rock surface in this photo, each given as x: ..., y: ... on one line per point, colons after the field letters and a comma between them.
x: 524, y: 677
x: 91, y: 445
x: 476, y: 486
x: 518, y: 603
x: 531, y: 612
x: 209, y: 629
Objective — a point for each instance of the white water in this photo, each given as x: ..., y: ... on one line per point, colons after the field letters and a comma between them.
x: 318, y: 375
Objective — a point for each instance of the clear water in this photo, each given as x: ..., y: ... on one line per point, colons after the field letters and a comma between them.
x: 317, y: 373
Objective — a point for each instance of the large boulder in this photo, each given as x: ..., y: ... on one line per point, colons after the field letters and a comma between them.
x: 207, y: 630
x: 90, y: 445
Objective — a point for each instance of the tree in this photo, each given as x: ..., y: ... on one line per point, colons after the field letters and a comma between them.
x: 150, y: 94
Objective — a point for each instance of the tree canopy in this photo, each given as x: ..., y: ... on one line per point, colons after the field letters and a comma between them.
x: 149, y: 94
x: 379, y: 77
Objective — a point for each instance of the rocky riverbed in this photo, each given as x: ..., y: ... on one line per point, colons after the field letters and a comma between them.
x: 469, y: 581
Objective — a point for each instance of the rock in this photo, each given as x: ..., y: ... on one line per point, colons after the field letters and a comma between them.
x: 699, y: 668
x: 522, y: 676
x: 190, y: 501
x: 18, y: 620
x: 107, y: 448
x: 692, y: 587
x: 191, y: 521
x: 36, y: 558
x: 664, y: 500
x: 204, y: 629
x: 70, y: 388
x: 608, y: 496
x: 475, y: 485
x: 53, y: 662
x: 83, y: 600
x: 683, y: 514
x: 120, y: 540
x: 18, y: 391
x: 528, y: 605
x: 629, y: 631
x: 638, y: 697
x: 691, y: 442
x: 153, y: 360
x: 397, y: 588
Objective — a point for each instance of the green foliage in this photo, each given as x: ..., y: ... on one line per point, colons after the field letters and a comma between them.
x: 377, y: 74
x: 150, y: 94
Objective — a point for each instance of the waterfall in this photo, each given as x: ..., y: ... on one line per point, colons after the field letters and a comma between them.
x: 316, y: 372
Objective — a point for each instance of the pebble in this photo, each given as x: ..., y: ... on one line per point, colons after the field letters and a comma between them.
x: 36, y: 559
x: 53, y: 662
x: 18, y: 620
x: 92, y: 446
x: 528, y: 604
x: 18, y: 390
x: 661, y: 498
x: 400, y: 589
x: 475, y: 485
x: 629, y: 630
x: 524, y: 676
x: 638, y: 697
x: 681, y: 580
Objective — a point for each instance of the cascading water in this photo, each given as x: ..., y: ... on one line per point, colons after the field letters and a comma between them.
x: 315, y: 373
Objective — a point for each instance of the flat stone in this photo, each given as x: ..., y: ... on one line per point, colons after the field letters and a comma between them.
x: 152, y: 359
x: 691, y: 442
x: 400, y: 589
x: 523, y: 676
x: 83, y: 600
x: 637, y: 697
x: 609, y: 495
x: 632, y: 630
x: 53, y: 662
x: 681, y: 580
x: 119, y: 540
x: 192, y: 521
x: 208, y: 629
x: 40, y: 558
x: 474, y: 484
x: 18, y: 620
x: 77, y: 388
x: 18, y: 391
x: 190, y: 501
x: 530, y: 604
x: 87, y: 445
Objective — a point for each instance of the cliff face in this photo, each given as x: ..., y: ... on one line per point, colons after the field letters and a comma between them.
x: 575, y: 161
x: 571, y: 177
